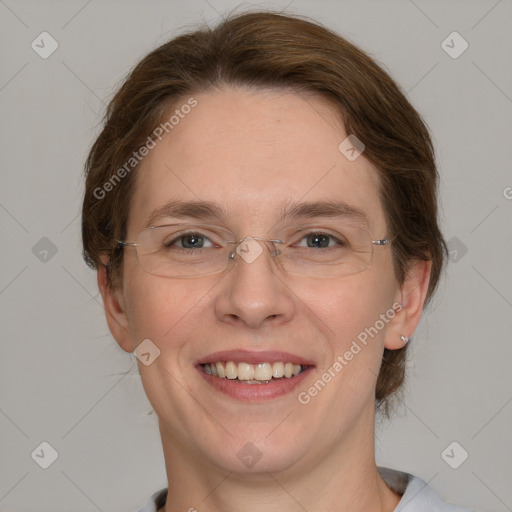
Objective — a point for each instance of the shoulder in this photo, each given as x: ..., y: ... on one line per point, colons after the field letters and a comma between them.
x: 417, y: 495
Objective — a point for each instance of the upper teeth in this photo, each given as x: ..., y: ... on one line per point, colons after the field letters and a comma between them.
x: 246, y: 371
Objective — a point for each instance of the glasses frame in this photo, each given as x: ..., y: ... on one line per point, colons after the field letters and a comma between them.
x: 121, y: 244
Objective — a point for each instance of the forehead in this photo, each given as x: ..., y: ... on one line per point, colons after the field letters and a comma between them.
x: 252, y: 153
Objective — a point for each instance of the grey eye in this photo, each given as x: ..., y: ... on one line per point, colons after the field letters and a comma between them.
x: 188, y: 241
x: 192, y: 241
x: 318, y: 240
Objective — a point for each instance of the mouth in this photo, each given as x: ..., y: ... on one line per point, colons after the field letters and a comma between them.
x: 261, y: 373
x: 254, y: 376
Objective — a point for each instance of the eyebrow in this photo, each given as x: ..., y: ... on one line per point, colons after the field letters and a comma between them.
x: 205, y: 210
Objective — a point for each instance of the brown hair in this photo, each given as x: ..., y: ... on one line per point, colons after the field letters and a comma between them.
x: 271, y: 50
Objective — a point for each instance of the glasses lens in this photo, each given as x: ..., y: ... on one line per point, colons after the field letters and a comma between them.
x: 183, y: 250
x: 327, y: 252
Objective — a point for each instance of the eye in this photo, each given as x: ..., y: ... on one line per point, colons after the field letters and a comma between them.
x: 319, y: 240
x: 189, y: 241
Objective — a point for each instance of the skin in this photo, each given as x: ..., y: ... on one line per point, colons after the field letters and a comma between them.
x: 251, y: 151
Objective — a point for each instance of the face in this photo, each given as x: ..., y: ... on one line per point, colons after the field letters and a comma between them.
x: 253, y: 153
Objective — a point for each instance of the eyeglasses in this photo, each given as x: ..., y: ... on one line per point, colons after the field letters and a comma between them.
x: 187, y: 251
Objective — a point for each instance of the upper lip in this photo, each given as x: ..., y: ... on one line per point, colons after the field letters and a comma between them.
x: 246, y: 356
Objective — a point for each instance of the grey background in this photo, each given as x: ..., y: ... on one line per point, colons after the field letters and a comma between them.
x: 64, y: 380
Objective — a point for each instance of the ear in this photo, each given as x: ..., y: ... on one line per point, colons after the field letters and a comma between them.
x: 115, y: 311
x: 412, y: 297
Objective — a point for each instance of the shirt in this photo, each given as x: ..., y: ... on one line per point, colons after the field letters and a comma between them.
x: 417, y: 496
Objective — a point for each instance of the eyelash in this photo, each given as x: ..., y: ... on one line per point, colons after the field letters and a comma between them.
x: 172, y: 242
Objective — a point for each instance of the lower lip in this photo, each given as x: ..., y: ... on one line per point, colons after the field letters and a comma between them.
x: 254, y: 392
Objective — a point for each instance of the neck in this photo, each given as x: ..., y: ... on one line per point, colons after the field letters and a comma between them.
x: 342, y: 480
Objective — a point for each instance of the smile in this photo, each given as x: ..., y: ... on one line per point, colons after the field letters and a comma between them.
x: 261, y: 373
x: 254, y: 377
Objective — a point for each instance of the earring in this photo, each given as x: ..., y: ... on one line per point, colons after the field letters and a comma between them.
x: 405, y: 339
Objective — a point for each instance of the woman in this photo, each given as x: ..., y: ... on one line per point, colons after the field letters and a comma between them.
x: 261, y: 210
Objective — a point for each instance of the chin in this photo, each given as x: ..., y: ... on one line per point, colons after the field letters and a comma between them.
x: 258, y: 456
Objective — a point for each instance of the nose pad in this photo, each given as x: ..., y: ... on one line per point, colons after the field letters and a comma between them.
x: 249, y: 249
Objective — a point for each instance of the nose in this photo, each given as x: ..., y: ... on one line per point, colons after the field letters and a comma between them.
x: 254, y: 292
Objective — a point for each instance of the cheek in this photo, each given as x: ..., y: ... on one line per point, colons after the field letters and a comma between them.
x: 351, y: 308
x: 157, y: 307
x: 349, y: 305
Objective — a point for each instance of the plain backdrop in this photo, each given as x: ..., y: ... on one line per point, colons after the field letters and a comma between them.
x: 63, y: 379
